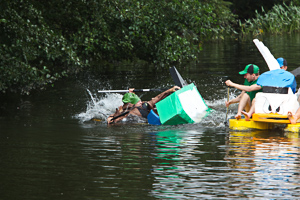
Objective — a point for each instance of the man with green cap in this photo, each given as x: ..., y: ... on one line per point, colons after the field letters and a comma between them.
x: 249, y: 90
x: 133, y: 105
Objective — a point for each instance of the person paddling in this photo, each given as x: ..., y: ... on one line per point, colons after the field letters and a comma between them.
x: 283, y: 65
x: 133, y: 105
x: 249, y: 89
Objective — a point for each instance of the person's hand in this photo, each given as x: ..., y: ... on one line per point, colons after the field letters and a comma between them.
x: 228, y: 83
x: 131, y: 90
x: 175, y: 88
x: 227, y: 103
x: 138, y: 104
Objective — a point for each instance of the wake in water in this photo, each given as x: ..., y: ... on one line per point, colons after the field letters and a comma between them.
x: 101, y: 108
x: 217, y: 117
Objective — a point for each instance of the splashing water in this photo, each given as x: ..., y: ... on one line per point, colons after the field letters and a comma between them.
x: 100, y: 108
x: 217, y: 117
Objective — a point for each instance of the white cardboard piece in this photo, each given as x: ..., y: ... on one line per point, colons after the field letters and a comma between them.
x: 276, y: 103
x: 265, y: 52
x: 193, y: 104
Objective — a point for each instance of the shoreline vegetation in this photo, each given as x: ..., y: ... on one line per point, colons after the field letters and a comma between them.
x: 279, y: 20
x: 41, y: 42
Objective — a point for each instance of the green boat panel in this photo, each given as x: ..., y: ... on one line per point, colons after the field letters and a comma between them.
x: 183, y: 106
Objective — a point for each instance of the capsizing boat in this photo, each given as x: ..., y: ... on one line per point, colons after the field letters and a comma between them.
x: 181, y: 107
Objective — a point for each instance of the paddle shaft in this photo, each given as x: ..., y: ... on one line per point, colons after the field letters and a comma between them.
x: 228, y: 106
x: 135, y: 90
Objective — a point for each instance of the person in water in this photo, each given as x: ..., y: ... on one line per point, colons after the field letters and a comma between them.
x: 283, y: 65
x: 249, y: 89
x: 133, y: 105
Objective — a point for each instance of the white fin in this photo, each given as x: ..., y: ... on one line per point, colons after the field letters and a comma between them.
x: 265, y: 52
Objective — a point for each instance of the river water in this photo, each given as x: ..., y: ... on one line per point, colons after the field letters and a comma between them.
x: 55, y: 144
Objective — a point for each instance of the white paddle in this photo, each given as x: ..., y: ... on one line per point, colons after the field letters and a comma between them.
x: 135, y: 90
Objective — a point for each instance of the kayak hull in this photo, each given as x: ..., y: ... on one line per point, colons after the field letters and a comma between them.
x: 270, y: 118
x: 271, y: 110
x: 242, y: 125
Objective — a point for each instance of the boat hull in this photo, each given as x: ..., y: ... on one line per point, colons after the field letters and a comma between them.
x: 270, y: 109
x: 243, y: 125
x: 270, y: 118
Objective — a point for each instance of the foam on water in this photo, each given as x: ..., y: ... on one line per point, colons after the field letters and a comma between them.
x: 100, y: 108
x: 218, y: 116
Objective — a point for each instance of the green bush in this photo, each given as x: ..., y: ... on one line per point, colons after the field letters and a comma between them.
x: 42, y: 41
x: 31, y: 54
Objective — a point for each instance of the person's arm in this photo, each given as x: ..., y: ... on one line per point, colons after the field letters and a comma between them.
x: 243, y: 87
x: 161, y: 96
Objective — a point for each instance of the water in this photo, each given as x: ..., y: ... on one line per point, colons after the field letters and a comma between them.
x: 55, y: 144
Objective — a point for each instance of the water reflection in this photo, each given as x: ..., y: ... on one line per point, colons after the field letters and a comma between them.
x: 265, y: 163
x: 181, y: 169
x: 47, y: 154
x: 196, y: 164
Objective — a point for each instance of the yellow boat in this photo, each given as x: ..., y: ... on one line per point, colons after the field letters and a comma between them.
x: 271, y: 111
x: 262, y: 121
x: 277, y: 99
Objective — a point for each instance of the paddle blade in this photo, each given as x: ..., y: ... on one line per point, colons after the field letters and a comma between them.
x: 296, y: 72
x: 177, y: 77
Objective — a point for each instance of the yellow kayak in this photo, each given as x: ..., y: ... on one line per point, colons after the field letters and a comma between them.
x: 263, y: 122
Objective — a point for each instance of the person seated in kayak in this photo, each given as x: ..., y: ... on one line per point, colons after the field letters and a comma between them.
x: 133, y: 105
x: 249, y: 89
x: 283, y: 65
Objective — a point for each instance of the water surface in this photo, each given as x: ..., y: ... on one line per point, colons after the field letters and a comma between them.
x: 51, y: 149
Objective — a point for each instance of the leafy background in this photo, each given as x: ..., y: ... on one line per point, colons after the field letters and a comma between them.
x: 43, y: 41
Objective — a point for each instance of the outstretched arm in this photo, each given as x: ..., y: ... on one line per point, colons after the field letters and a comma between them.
x: 161, y: 96
x: 243, y: 87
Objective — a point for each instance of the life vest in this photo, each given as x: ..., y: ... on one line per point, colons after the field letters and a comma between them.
x: 144, y: 110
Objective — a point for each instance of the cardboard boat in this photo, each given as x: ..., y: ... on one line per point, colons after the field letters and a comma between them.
x: 181, y: 107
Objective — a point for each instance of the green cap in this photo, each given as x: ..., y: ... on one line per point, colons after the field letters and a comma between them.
x: 251, y: 69
x: 130, y: 98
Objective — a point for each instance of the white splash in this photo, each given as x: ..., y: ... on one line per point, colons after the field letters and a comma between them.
x: 218, y: 116
x: 100, y: 108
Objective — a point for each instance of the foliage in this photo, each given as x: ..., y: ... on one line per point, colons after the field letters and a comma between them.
x: 280, y: 19
x: 42, y: 41
x: 247, y: 9
x: 161, y: 32
x: 31, y: 54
